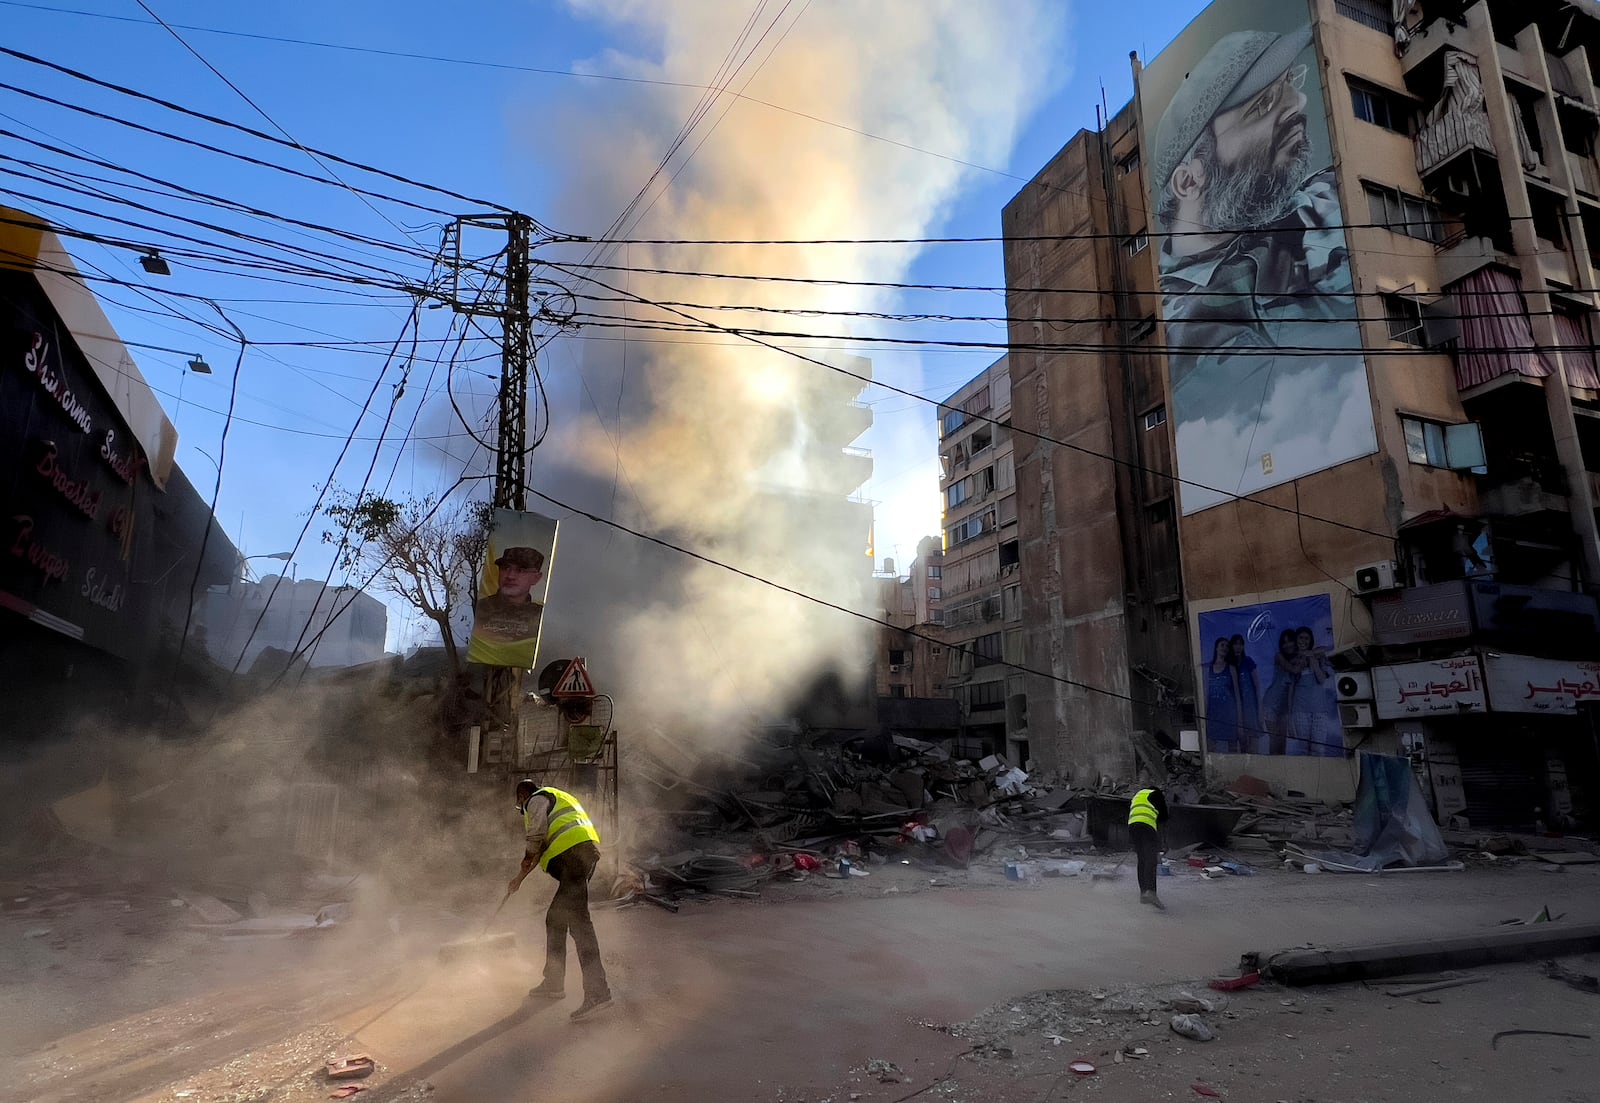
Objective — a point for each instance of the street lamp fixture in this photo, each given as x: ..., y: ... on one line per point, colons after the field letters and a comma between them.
x: 199, y: 366
x: 155, y: 264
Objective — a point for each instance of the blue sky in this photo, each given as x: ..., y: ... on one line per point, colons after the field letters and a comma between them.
x: 479, y: 130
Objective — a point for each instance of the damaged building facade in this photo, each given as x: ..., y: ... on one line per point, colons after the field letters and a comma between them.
x: 1305, y: 387
x: 102, y: 537
x: 980, y: 585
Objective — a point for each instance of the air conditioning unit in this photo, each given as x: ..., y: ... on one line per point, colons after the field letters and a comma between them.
x: 1374, y: 577
x: 1353, y: 685
x: 1356, y: 714
x: 895, y: 668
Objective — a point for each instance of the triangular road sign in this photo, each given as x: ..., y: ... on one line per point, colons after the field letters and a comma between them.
x: 574, y: 681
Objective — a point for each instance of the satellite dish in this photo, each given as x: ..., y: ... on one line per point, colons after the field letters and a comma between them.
x: 550, y: 675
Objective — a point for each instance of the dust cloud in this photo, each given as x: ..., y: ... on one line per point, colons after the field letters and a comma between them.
x: 714, y: 443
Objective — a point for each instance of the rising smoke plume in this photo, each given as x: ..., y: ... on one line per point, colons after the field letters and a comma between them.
x: 720, y: 445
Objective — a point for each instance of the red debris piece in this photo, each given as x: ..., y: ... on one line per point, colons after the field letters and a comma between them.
x: 1246, y: 785
x: 1233, y: 984
x: 1198, y: 863
x: 958, y: 846
x: 1207, y: 1091
x: 806, y: 862
x: 351, y: 1068
x: 347, y: 1091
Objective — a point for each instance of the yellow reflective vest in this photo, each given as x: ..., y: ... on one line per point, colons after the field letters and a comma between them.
x: 569, y: 826
x: 1141, y: 810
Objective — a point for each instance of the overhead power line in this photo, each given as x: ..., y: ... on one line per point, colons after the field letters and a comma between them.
x: 1082, y: 449
x: 259, y: 134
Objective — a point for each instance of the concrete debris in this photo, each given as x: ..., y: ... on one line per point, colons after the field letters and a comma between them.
x: 1193, y: 1027
x: 1583, y: 982
x: 887, y: 1072
x: 207, y: 909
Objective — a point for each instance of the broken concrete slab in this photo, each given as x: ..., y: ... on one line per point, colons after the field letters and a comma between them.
x: 207, y: 909
x: 1568, y: 858
x: 1376, y: 962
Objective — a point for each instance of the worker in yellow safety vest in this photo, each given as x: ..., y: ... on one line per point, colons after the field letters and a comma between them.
x: 562, y: 841
x: 1146, y: 812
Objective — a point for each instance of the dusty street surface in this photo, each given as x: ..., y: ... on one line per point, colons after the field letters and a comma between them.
x: 792, y: 1001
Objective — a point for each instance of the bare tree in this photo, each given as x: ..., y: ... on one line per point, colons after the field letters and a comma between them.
x: 426, y: 554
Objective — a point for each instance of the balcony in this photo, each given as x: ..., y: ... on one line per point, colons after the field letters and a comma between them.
x: 1524, y: 485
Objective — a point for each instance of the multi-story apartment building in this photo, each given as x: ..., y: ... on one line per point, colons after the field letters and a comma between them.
x: 980, y: 590
x: 927, y: 582
x: 1351, y: 312
x: 910, y: 659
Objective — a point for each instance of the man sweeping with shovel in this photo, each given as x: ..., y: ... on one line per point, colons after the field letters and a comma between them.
x: 562, y: 841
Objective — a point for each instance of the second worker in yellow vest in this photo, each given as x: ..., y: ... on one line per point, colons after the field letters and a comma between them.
x: 561, y: 840
x: 1146, y: 813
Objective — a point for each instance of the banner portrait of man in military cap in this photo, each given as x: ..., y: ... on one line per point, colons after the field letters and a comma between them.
x: 515, y: 580
x: 1268, y: 380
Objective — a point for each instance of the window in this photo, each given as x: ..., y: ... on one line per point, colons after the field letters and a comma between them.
x: 1155, y: 418
x: 983, y: 481
x: 1379, y: 106
x: 978, y: 403
x: 1010, y: 554
x: 1129, y: 164
x: 963, y: 530
x: 956, y: 493
x: 953, y: 420
x: 1012, y: 597
x: 986, y: 696
x: 934, y: 593
x: 982, y: 438
x: 1405, y: 320
x: 897, y: 656
x: 936, y: 570
x: 1014, y: 648
x: 1403, y: 214
x: 1457, y: 447
x: 1424, y: 441
x: 899, y: 691
x: 986, y: 650
x: 935, y: 616
x: 1527, y: 102
x: 1135, y: 243
x: 1548, y: 214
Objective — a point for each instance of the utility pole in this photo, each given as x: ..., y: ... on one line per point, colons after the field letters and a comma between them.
x: 481, y: 288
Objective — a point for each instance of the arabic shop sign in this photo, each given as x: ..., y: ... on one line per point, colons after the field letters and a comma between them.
x: 1422, y: 613
x: 1447, y: 686
x: 1551, y: 687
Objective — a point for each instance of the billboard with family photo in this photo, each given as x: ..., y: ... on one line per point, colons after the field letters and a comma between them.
x: 512, y: 587
x: 1269, y: 686
x: 1264, y: 347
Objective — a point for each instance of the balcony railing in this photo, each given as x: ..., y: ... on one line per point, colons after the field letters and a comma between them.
x: 1369, y: 13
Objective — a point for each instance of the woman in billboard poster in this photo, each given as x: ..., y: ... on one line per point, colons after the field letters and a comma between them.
x: 1315, y: 711
x: 1277, y: 708
x: 1249, y: 693
x: 1222, y: 699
